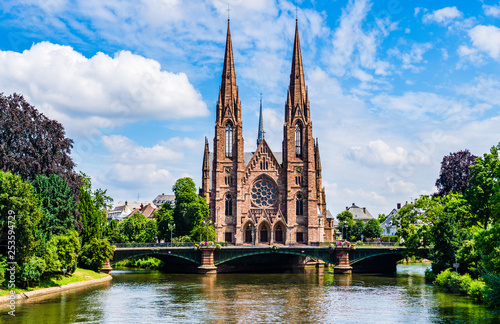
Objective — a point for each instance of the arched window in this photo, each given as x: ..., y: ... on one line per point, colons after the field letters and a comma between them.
x: 298, y: 140
x: 229, y: 205
x: 229, y: 140
x: 299, y: 205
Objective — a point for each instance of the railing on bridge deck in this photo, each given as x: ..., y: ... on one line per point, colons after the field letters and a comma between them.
x: 166, y: 245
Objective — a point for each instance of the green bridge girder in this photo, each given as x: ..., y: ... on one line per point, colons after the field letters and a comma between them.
x: 189, y: 254
x: 230, y: 253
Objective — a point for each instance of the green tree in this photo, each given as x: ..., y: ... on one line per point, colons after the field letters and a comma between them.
x: 357, y: 229
x: 372, y: 229
x: 191, y: 210
x: 381, y: 218
x: 138, y: 229
x: 484, y: 191
x: 346, y: 223
x: 487, y: 244
x: 414, y: 223
x: 164, y: 220
x: 20, y: 206
x: 58, y: 204
x: 95, y: 253
x: 92, y: 219
x: 449, y: 213
x: 66, y: 247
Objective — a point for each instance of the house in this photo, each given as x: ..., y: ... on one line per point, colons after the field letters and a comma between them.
x: 124, y: 209
x: 161, y: 199
x: 331, y: 231
x: 360, y: 213
x: 388, y: 227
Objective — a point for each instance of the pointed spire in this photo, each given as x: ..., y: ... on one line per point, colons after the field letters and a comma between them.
x: 317, y: 159
x: 297, y: 80
x: 228, y: 95
x: 206, y: 165
x: 260, y: 135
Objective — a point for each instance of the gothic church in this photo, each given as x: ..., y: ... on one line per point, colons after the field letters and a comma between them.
x: 264, y: 197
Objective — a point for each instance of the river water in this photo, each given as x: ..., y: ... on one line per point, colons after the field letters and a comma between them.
x: 311, y: 296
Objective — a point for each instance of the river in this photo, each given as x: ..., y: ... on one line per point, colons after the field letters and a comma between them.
x: 312, y: 296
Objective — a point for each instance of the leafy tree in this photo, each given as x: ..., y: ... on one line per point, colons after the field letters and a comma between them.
x: 31, y: 271
x: 190, y: 210
x: 372, y: 229
x: 113, y: 233
x: 95, y: 253
x: 138, y: 229
x: 164, y: 220
x: 32, y: 144
x: 484, y: 191
x: 17, y: 198
x: 455, y: 172
x: 357, y: 229
x: 414, y: 223
x: 381, y: 218
x: 92, y: 219
x: 67, y: 247
x: 487, y: 244
x: 447, y: 234
x: 58, y: 204
x: 346, y: 223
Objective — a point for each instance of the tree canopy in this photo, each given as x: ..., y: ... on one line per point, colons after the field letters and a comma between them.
x: 32, y: 144
x: 455, y: 172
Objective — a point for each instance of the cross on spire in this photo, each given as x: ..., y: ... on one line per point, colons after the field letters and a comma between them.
x: 228, y: 10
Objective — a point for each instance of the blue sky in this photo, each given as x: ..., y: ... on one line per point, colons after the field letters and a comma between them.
x: 393, y: 85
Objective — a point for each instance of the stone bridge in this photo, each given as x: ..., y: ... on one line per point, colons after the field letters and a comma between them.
x: 212, y: 259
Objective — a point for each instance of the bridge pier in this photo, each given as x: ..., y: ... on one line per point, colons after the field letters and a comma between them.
x: 106, y: 267
x: 207, y: 261
x: 342, y: 260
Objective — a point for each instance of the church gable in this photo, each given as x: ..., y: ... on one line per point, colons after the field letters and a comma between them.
x: 263, y: 160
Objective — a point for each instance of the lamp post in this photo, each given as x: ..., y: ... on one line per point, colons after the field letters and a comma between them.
x: 171, y: 228
x: 346, y: 230
x: 343, y: 228
x: 207, y: 223
x: 217, y: 224
x: 253, y: 235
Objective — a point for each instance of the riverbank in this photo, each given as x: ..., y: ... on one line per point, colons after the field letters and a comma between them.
x: 80, y: 278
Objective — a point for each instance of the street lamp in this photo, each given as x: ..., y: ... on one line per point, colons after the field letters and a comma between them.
x: 343, y: 228
x: 207, y: 223
x: 253, y: 235
x: 172, y: 227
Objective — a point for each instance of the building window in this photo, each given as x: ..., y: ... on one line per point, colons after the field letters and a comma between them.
x: 229, y: 140
x: 298, y: 140
x: 228, y: 237
x: 299, y: 205
x: 229, y: 205
x: 300, y: 237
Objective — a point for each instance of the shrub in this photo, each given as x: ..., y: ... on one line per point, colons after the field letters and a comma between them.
x: 492, y: 291
x: 477, y: 289
x: 390, y: 238
x: 430, y: 276
x: 95, y: 253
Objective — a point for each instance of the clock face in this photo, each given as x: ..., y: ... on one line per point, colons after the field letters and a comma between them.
x: 299, y: 170
x: 228, y: 170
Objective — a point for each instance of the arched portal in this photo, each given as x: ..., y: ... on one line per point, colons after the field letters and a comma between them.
x: 264, y: 234
x: 278, y: 234
x: 248, y: 233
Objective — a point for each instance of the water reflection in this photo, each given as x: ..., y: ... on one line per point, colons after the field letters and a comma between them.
x: 311, y: 296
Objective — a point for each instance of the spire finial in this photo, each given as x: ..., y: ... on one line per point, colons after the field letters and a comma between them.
x: 296, y: 13
x: 228, y: 10
x: 260, y: 134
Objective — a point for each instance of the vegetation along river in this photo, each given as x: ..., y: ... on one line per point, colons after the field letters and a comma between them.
x: 311, y: 296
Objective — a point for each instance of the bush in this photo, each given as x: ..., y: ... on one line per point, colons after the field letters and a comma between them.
x: 95, y: 253
x: 477, y: 289
x: 390, y: 238
x: 142, y: 262
x: 430, y: 276
x: 492, y: 291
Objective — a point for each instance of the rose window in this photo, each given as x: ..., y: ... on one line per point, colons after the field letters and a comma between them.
x: 264, y: 193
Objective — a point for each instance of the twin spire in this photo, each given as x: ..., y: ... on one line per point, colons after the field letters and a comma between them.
x: 297, y: 92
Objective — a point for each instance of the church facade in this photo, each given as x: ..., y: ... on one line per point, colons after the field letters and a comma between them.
x: 264, y: 197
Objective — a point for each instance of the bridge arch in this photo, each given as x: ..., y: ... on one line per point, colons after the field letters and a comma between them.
x: 172, y: 256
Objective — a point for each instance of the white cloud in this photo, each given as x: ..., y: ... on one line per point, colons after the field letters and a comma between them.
x: 400, y: 186
x: 493, y: 11
x: 352, y: 45
x: 101, y: 90
x: 139, y: 176
x: 443, y: 16
x: 378, y: 153
x: 486, y: 39
x: 413, y: 56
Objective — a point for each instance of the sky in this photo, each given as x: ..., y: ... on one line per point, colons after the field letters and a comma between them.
x: 393, y: 85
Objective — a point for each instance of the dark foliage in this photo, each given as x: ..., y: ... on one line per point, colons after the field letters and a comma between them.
x: 32, y: 144
x: 455, y: 174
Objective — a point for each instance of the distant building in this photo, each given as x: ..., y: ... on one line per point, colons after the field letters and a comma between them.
x: 331, y: 232
x: 125, y: 209
x: 360, y: 213
x: 161, y: 199
x: 388, y: 227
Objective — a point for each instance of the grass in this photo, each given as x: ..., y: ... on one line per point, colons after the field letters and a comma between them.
x: 79, y: 275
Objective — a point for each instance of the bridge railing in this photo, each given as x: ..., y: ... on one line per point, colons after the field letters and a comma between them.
x: 144, y: 245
